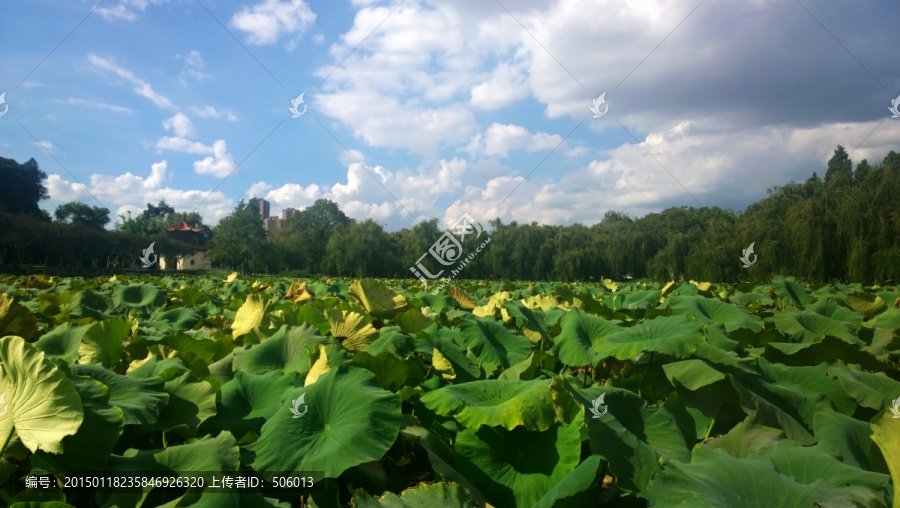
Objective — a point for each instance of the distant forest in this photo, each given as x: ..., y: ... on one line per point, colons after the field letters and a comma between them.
x: 844, y: 226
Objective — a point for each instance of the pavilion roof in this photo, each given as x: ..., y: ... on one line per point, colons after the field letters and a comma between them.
x: 183, y: 226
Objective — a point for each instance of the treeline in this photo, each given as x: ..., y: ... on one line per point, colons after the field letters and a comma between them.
x: 845, y: 226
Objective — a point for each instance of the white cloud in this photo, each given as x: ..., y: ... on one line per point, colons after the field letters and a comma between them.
x: 125, y: 9
x: 193, y: 67
x: 97, y: 105
x: 211, y: 112
x: 141, y: 87
x: 132, y: 192
x: 258, y: 189
x: 46, y: 145
x: 506, y: 85
x: 181, y: 124
x: 220, y: 163
x: 179, y: 144
x: 269, y: 20
x: 500, y: 139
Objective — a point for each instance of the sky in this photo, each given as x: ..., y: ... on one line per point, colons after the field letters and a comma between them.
x: 423, y: 109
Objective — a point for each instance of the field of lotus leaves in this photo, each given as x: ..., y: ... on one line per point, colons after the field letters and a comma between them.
x: 500, y: 394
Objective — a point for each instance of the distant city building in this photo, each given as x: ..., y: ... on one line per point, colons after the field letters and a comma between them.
x: 183, y: 232
x: 273, y: 224
x: 262, y: 205
x: 287, y: 212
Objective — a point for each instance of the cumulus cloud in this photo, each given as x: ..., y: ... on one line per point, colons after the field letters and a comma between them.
x: 141, y: 87
x: 130, y: 192
x: 270, y: 20
x: 181, y: 125
x: 500, y: 139
x: 126, y: 9
x: 220, y: 163
x: 211, y: 112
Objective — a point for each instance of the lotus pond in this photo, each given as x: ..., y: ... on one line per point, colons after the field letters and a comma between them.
x: 489, y: 394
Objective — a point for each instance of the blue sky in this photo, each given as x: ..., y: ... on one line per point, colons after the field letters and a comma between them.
x: 421, y: 109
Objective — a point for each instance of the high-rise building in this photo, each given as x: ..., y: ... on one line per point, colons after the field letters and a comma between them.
x: 287, y: 212
x: 262, y: 205
x: 272, y: 224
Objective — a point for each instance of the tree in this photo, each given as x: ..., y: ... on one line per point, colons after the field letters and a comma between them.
x: 21, y: 187
x: 840, y: 168
x: 156, y: 217
x: 80, y: 214
x: 307, y: 234
x: 240, y: 240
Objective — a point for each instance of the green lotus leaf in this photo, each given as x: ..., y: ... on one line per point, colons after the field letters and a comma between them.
x: 829, y: 308
x: 495, y: 402
x: 517, y: 467
x: 286, y: 351
x: 633, y: 300
x: 63, y: 342
x: 191, y: 402
x: 580, y: 336
x: 248, y: 400
x: 251, y: 315
x: 102, y: 342
x: 451, y: 360
x: 88, y: 449
x: 16, y: 319
x: 575, y: 488
x: 714, y: 478
x: 90, y: 304
x: 872, y: 390
x: 391, y: 372
x: 182, y: 319
x: 886, y: 435
x: 412, y: 321
x: 37, y: 401
x: 348, y: 420
x: 692, y: 374
x: 866, y: 303
x: 380, y: 300
x: 140, y: 400
x: 845, y: 437
x: 809, y: 326
x: 494, y: 343
x: 395, y: 342
x: 529, y: 318
x: 789, y: 289
x: 139, y: 299
x: 422, y: 495
x: 746, y: 439
x: 351, y: 329
x: 889, y: 320
x: 711, y: 311
x: 672, y: 335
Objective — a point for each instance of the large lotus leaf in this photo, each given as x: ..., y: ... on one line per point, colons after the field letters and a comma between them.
x: 692, y: 374
x: 36, y: 398
x: 182, y: 319
x: 102, y: 342
x: 531, y: 319
x: 746, y: 439
x: 412, y: 321
x: 351, y: 329
x: 286, y: 351
x: 714, y: 478
x: 494, y: 402
x: 712, y: 311
x: 441, y: 456
x: 890, y: 320
x: 866, y: 303
x: 140, y: 400
x: 90, y: 304
x: 391, y: 372
x: 632, y: 300
x: 494, y: 343
x: 789, y: 289
x: 872, y: 390
x: 88, y: 449
x: 380, y: 300
x: 394, y: 342
x: 16, y: 319
x: 462, y: 299
x: 251, y: 315
x: 580, y: 336
x: 349, y: 420
x: 828, y: 307
x: 809, y: 326
x: 886, y: 434
x: 451, y: 361
x: 574, y: 489
x: 140, y: 298
x: 208, y: 455
x: 248, y: 400
x: 191, y: 402
x: 672, y: 335
x: 845, y: 437
x: 811, y: 464
x: 63, y: 341
x: 424, y: 495
x: 517, y: 467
